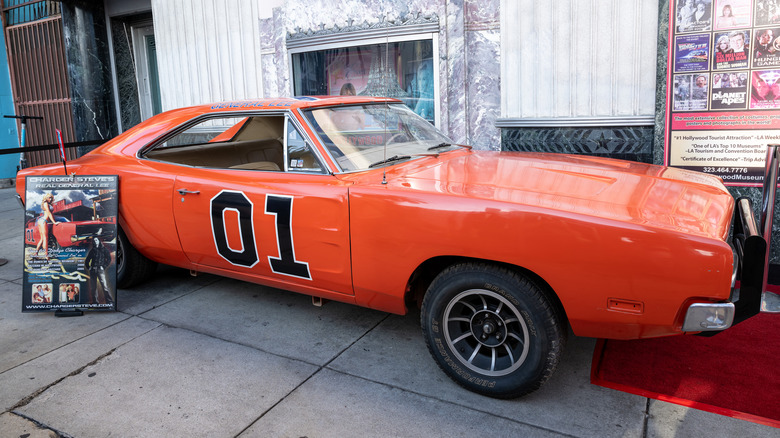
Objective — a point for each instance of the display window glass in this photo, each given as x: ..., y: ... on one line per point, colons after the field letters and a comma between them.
x: 402, y: 70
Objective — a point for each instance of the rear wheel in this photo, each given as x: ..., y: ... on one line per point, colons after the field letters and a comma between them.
x: 492, y: 330
x: 53, y: 243
x: 131, y: 266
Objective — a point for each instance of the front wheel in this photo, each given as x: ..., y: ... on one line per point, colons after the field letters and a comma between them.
x: 492, y: 330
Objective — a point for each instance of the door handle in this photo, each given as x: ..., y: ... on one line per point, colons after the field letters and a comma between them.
x: 185, y: 192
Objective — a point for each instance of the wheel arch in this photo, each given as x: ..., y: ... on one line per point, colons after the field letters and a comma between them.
x: 426, y: 272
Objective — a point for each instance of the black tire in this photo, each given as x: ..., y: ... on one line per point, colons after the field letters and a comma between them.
x: 492, y: 330
x: 132, y: 267
x: 53, y: 243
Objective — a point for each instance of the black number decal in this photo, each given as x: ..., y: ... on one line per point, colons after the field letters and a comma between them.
x: 281, y: 207
x: 236, y: 201
x: 277, y: 205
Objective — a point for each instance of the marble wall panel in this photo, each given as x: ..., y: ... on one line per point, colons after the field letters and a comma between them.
x: 469, y: 41
x: 660, y: 80
x: 89, y: 71
x: 454, y: 65
x: 127, y: 85
x: 483, y: 64
x: 281, y: 63
x: 313, y: 15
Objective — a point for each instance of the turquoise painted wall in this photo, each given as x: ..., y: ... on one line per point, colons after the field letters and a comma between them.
x: 8, y: 133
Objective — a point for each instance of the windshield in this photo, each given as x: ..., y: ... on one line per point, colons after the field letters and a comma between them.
x: 356, y: 135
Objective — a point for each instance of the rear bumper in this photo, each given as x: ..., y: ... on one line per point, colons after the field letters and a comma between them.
x: 748, y: 279
x: 751, y: 249
x: 709, y: 317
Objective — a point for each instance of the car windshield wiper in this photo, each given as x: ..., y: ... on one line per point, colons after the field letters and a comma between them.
x: 440, y: 145
x: 444, y: 145
x: 390, y: 160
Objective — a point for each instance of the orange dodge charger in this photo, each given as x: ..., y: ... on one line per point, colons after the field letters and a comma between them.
x: 359, y: 200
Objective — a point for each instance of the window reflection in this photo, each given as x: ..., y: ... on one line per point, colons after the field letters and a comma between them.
x: 402, y: 70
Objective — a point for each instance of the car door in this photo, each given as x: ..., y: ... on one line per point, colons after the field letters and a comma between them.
x: 280, y: 219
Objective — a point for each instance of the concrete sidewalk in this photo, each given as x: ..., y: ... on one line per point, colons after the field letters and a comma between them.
x: 214, y: 357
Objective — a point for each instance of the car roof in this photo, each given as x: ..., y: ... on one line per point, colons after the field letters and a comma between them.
x: 298, y: 102
x: 134, y: 139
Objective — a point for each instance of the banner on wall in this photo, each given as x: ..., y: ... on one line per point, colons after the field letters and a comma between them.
x: 70, y: 236
x: 723, y: 87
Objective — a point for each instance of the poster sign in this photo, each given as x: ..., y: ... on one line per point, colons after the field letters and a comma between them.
x: 723, y: 98
x: 692, y: 52
x: 70, y: 236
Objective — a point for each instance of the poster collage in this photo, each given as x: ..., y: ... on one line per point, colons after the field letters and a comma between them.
x: 726, y: 55
x: 724, y: 90
x: 70, y: 243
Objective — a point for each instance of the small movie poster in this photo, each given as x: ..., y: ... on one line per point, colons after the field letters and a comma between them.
x: 692, y: 53
x: 729, y: 91
x: 694, y: 16
x: 766, y: 48
x: 70, y: 234
x: 731, y: 50
x: 765, y: 89
x: 733, y: 14
x: 767, y: 12
x: 691, y: 92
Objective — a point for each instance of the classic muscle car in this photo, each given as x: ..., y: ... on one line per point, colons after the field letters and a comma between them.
x: 359, y: 200
x: 64, y: 233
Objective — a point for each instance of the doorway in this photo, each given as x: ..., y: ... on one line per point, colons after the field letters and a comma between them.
x: 145, y: 52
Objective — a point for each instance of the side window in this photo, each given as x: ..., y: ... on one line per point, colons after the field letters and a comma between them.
x: 207, y: 131
x: 299, y: 154
x: 250, y: 143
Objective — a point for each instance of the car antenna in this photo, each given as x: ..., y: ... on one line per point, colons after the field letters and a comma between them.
x: 61, y: 146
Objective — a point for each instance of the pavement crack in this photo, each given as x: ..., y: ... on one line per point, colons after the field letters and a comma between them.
x: 73, y: 341
x: 317, y: 371
x: 452, y: 403
x: 25, y: 401
x: 42, y: 426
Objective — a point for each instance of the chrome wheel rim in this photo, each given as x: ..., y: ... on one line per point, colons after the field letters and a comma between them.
x: 486, y: 332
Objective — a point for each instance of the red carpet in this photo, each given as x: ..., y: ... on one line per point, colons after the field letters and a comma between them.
x: 735, y: 373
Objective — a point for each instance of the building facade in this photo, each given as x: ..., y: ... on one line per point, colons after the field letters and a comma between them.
x: 573, y: 76
x: 570, y: 76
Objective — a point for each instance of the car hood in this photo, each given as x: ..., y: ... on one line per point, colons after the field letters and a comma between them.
x: 607, y: 189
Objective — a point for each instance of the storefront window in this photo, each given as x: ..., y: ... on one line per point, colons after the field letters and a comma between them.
x: 403, y: 70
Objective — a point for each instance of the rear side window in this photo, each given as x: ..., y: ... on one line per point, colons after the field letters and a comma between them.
x: 250, y: 143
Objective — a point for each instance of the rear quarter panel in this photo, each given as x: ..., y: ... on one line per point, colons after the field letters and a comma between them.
x: 145, y: 201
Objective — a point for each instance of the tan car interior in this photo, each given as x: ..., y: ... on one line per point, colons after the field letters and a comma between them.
x: 258, y: 145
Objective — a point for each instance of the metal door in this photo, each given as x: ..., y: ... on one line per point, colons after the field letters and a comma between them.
x: 36, y: 60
